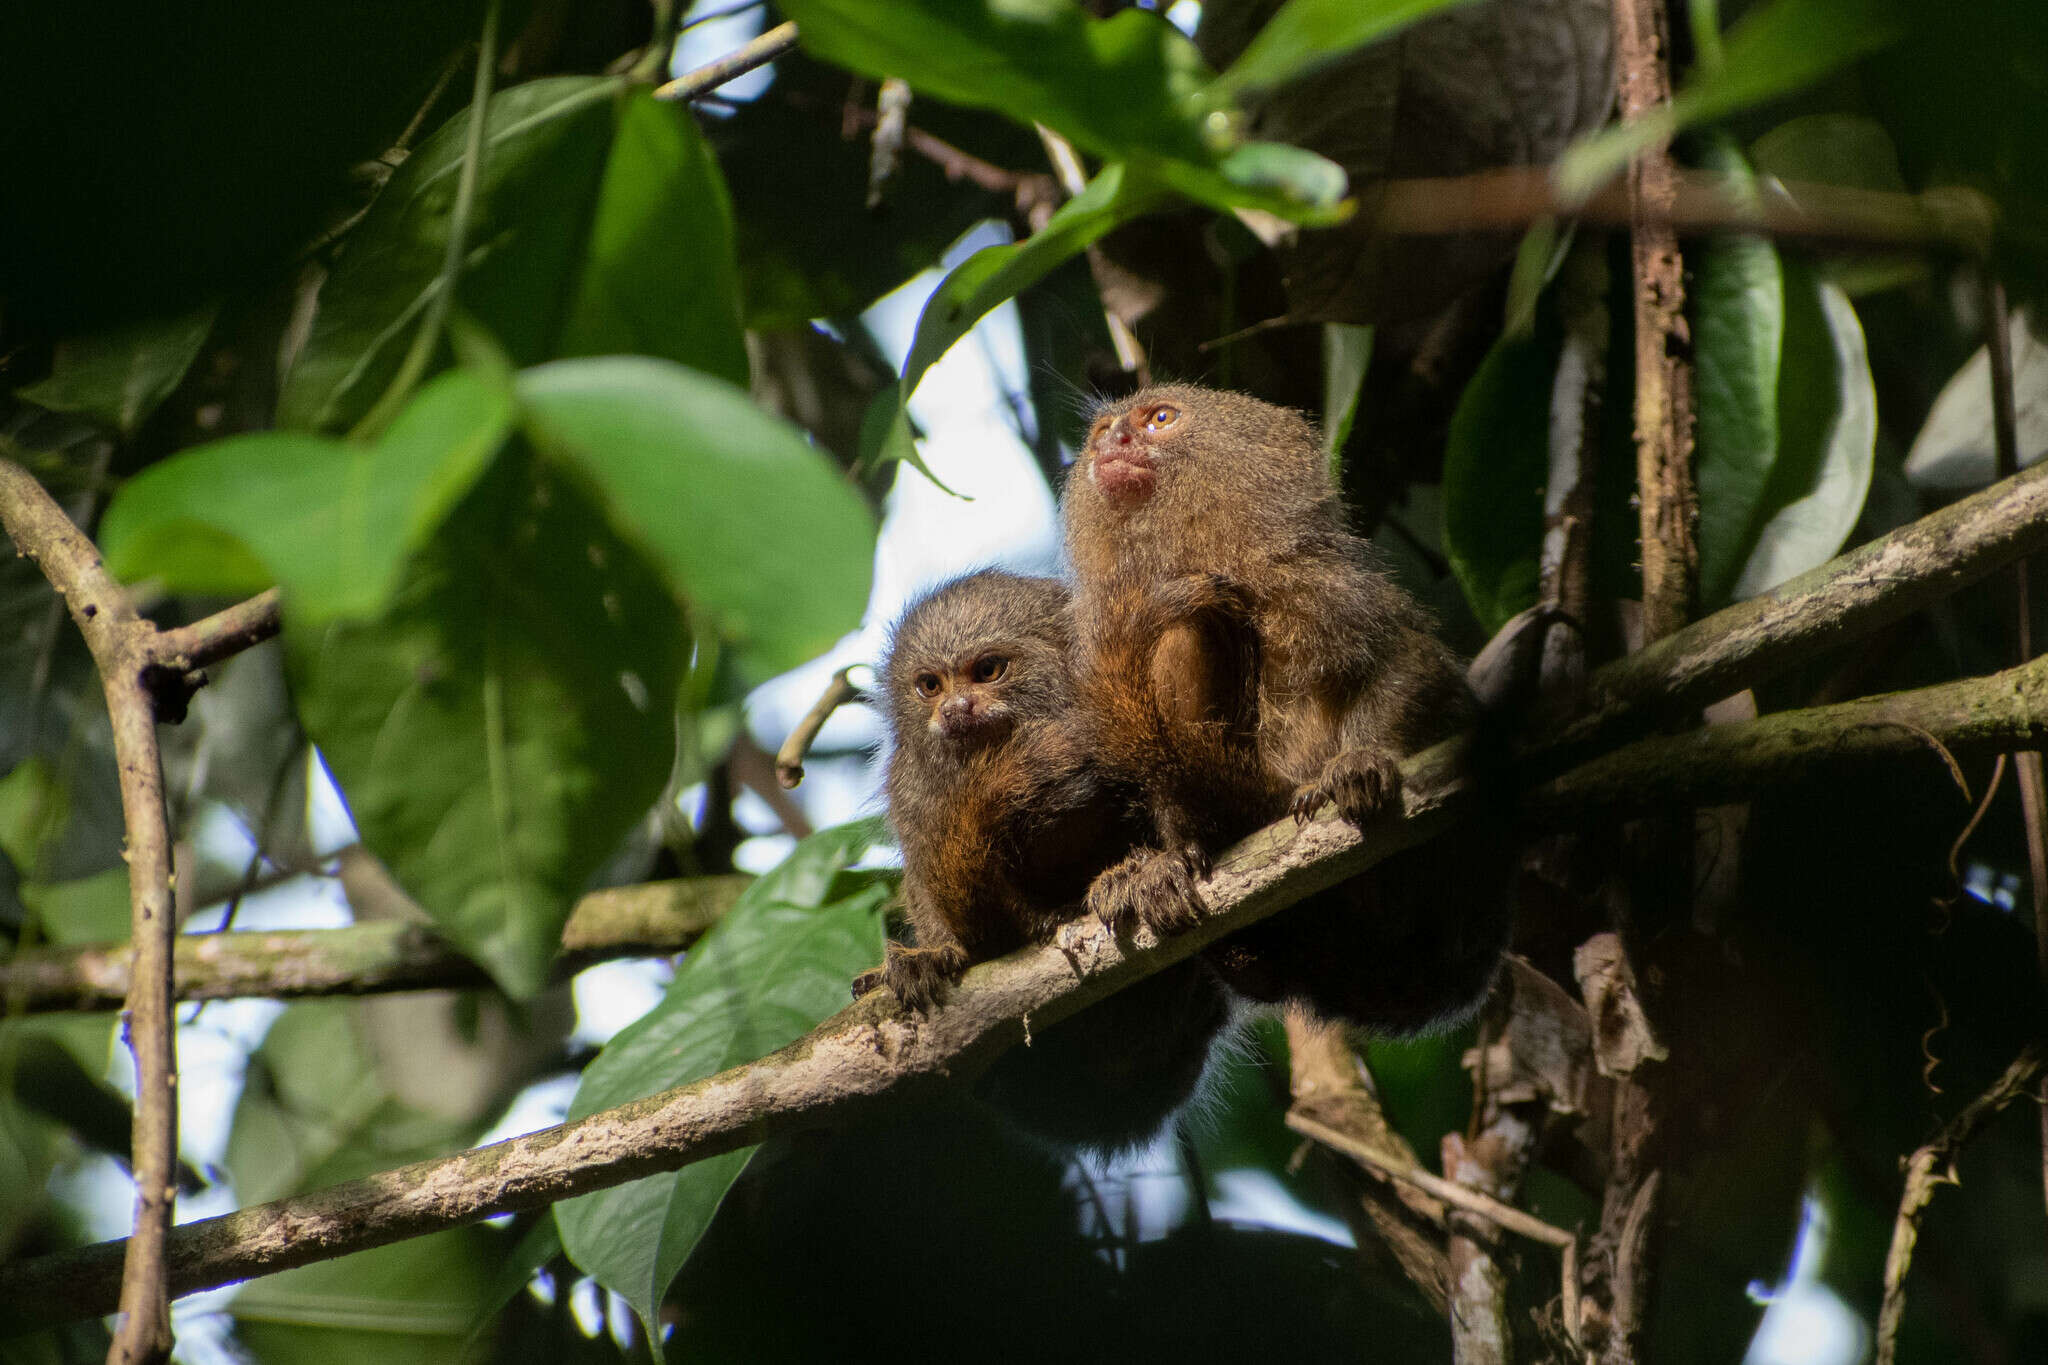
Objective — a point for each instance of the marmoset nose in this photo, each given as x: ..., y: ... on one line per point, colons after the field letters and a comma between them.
x: 956, y: 708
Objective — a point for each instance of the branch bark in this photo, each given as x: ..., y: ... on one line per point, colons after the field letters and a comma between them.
x: 364, y: 959
x: 1664, y: 480
x: 122, y: 649
x: 1884, y: 581
x: 852, y: 1063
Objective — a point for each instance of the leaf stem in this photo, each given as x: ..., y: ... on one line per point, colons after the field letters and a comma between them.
x: 424, y: 341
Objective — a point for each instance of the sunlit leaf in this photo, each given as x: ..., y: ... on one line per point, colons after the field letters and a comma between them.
x: 1306, y: 33
x: 1956, y: 450
x: 1129, y: 87
x: 748, y: 523
x: 777, y: 964
x: 329, y: 521
x: 500, y: 727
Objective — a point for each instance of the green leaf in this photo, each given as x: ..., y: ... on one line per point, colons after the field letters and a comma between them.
x: 1128, y: 88
x: 416, y: 1301
x: 119, y: 376
x: 1738, y: 315
x: 774, y: 967
x: 749, y: 523
x: 1786, y: 414
x: 1827, y: 436
x: 1307, y: 33
x: 1127, y: 84
x: 331, y: 523
x: 1778, y: 48
x: 600, y: 224
x: 1830, y: 149
x: 1496, y: 464
x: 658, y: 273
x: 504, y: 723
x: 995, y: 273
x: 1347, y: 353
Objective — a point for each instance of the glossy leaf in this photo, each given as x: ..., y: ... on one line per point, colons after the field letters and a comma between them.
x: 1129, y: 87
x: 1306, y: 33
x: 777, y: 964
x: 1827, y: 437
x: 119, y: 376
x: 329, y: 521
x: 502, y: 725
x: 600, y: 224
x: 1779, y: 47
x: 745, y: 520
x: 658, y: 275
x: 1956, y: 450
x: 1495, y: 467
x: 1738, y: 312
x: 1347, y: 354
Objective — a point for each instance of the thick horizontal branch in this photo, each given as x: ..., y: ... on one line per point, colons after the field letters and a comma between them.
x: 364, y: 959
x: 1511, y: 198
x: 1865, y: 590
x: 851, y: 1064
x: 1720, y: 763
x: 854, y: 1062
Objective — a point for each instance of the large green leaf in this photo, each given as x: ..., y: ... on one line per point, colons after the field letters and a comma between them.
x: 1738, y: 331
x: 329, y: 521
x: 1827, y: 436
x: 749, y: 524
x: 600, y: 224
x: 1307, y: 33
x: 776, y: 965
x: 1778, y: 48
x: 120, y: 375
x: 1129, y: 88
x: 1787, y: 415
x: 658, y: 275
x: 503, y: 724
x: 1496, y: 463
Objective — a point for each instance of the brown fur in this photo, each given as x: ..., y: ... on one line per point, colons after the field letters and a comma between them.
x: 1004, y: 823
x: 1350, y: 680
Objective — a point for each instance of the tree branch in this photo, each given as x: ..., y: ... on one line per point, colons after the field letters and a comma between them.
x: 1883, y: 581
x: 1701, y: 202
x: 372, y: 958
x: 853, y: 1063
x: 738, y: 62
x: 121, y: 644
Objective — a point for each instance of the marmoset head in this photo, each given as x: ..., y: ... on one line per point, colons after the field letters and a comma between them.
x: 1134, y: 443
x: 976, y: 657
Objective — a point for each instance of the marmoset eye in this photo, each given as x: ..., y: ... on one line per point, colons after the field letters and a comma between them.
x: 990, y: 667
x: 927, y: 685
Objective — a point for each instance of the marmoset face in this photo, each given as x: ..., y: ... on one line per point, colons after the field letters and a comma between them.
x: 1127, y: 444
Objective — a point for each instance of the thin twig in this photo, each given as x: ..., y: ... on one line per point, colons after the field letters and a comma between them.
x: 1932, y: 1165
x: 371, y: 958
x: 1505, y: 1216
x: 789, y: 759
x: 737, y: 62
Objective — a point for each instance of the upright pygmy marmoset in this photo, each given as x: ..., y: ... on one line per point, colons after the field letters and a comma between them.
x: 1182, y: 484
x: 1005, y: 816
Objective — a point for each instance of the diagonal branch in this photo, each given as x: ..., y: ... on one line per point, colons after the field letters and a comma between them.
x: 853, y: 1063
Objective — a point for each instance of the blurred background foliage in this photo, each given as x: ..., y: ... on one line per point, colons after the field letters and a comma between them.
x: 530, y: 600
